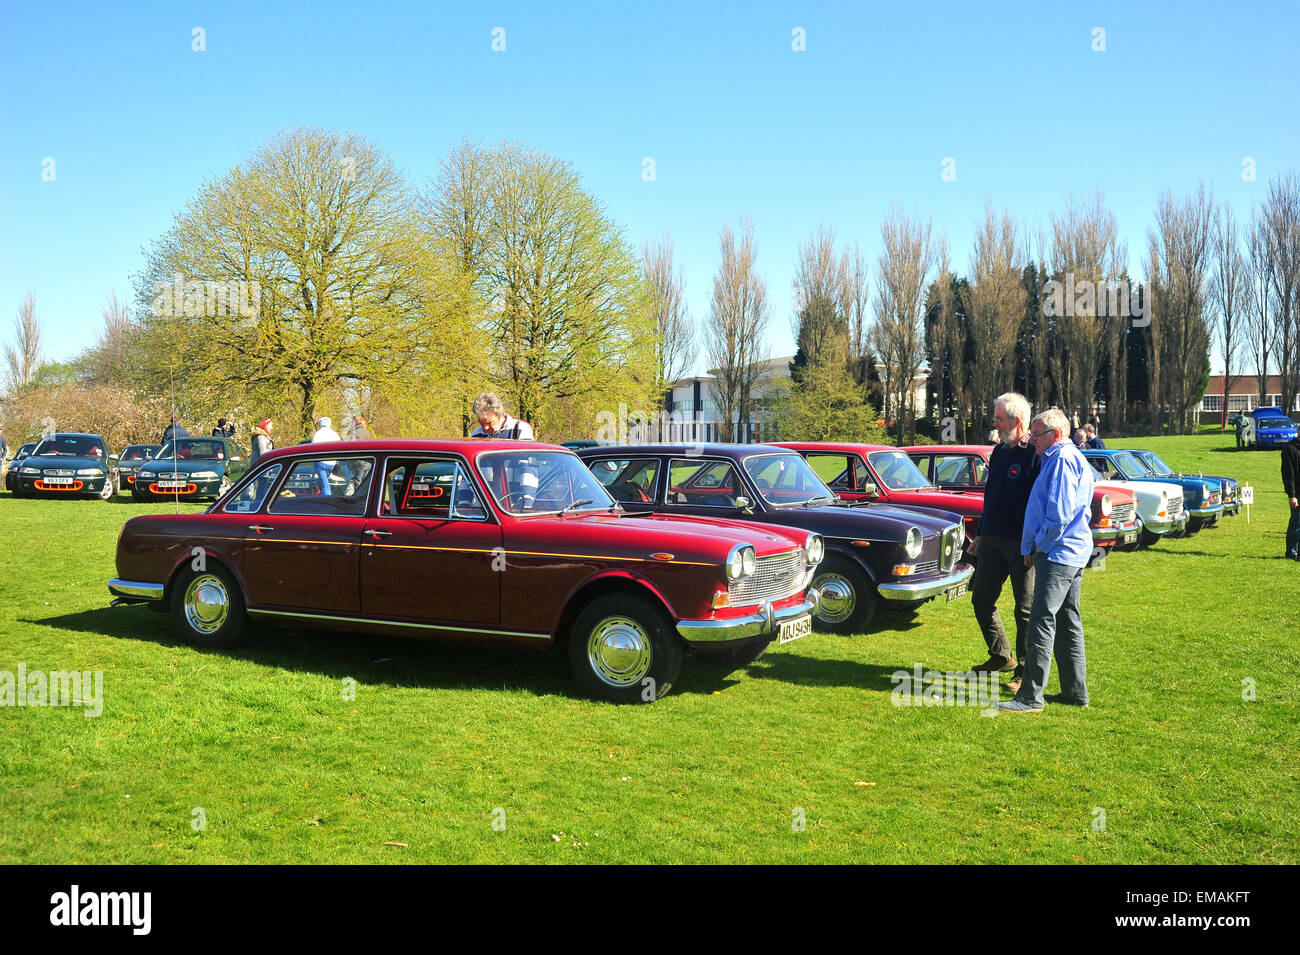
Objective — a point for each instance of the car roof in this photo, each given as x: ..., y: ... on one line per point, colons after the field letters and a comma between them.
x: 980, y: 449
x: 468, y: 447
x: 693, y: 450
x: 69, y: 434
x: 857, y: 446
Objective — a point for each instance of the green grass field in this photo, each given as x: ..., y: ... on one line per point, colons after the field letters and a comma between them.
x: 454, y: 754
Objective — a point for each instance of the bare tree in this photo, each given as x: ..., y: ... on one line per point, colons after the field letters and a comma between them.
x: 1280, y: 219
x: 1180, y: 257
x: 947, y: 341
x: 903, y: 272
x: 735, y: 332
x: 857, y: 301
x: 24, y: 357
x: 995, y: 310
x: 1228, y: 291
x: 1261, y: 330
x: 675, y: 333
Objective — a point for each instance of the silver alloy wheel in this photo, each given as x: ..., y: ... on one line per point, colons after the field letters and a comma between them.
x: 106, y: 493
x: 207, y: 603
x: 619, y: 652
x: 223, y: 487
x: 838, y: 597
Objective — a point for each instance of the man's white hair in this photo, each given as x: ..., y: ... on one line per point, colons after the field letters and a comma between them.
x: 1016, y: 407
x: 1053, y: 419
x: 324, y: 423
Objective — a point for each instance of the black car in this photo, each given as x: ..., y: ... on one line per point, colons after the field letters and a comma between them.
x: 11, y: 476
x: 191, y: 468
x: 68, y: 464
x: 874, y: 552
x: 132, y: 458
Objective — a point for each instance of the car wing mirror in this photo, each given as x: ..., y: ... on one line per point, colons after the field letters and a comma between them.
x: 745, y: 505
x: 870, y: 489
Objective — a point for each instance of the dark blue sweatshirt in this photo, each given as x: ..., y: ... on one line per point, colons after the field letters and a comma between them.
x: 1012, y: 471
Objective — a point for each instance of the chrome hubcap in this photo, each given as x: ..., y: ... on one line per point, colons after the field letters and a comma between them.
x: 619, y: 651
x: 107, y: 491
x: 207, y: 603
x: 838, y: 598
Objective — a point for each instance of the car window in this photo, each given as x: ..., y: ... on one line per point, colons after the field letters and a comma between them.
x: 332, y: 487
x: 786, y: 479
x: 959, y: 469
x: 897, y: 471
x: 630, y: 480
x: 252, y: 494
x: 703, y: 483
x: 1102, y: 466
x: 835, y: 469
x: 529, y: 481
x: 70, y: 446
x: 434, y: 490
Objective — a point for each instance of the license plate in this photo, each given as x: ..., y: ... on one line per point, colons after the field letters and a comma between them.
x: 171, y: 485
x: 1130, y: 537
x: 959, y: 590
x: 54, y: 480
x: 794, y: 629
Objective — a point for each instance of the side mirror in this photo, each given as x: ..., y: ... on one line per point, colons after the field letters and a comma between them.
x: 870, y: 489
x: 745, y: 505
x: 235, y: 457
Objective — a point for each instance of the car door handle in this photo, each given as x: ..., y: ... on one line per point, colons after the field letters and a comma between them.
x: 260, y: 527
x: 379, y: 533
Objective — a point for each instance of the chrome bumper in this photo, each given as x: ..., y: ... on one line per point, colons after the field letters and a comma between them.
x: 758, y: 624
x: 135, y: 590
x: 1157, y: 526
x: 1206, y: 511
x: 1113, y: 533
x: 925, y: 589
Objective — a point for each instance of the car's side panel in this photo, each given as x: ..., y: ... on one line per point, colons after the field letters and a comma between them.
x: 303, y: 561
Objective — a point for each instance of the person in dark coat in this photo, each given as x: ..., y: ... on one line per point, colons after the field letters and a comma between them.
x: 224, y: 429
x: 1091, y: 440
x: 1291, y: 485
x: 174, y: 430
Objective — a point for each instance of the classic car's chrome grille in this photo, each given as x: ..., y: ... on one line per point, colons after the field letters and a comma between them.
x: 1175, y: 506
x: 950, y: 547
x: 60, y: 472
x: 1121, y: 514
x: 773, y: 578
x: 926, y: 567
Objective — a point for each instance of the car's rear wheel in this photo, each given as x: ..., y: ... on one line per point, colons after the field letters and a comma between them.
x: 848, y: 600
x: 623, y: 648
x: 208, y: 608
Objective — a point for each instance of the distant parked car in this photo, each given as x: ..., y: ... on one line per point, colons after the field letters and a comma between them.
x: 1231, y: 500
x: 190, y: 469
x: 66, y: 465
x: 1161, y: 506
x: 1202, y: 497
x: 1273, y: 428
x: 133, y: 456
x: 11, y: 476
x: 875, y: 553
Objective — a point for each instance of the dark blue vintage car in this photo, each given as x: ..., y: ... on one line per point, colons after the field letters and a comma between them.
x: 874, y: 552
x: 1202, y: 497
x: 1157, y: 466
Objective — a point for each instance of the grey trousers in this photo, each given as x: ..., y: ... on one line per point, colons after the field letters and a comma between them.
x: 1055, y: 628
x: 999, y: 558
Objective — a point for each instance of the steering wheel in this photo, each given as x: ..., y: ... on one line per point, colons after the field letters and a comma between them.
x: 523, y: 499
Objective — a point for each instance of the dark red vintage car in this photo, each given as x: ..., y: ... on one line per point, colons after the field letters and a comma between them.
x: 964, y: 468
x: 501, y: 541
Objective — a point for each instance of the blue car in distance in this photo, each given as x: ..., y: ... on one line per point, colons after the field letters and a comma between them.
x: 1202, y: 497
x: 1231, y: 500
x: 1273, y: 427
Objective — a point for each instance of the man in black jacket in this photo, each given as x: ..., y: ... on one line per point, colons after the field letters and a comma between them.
x: 1013, y: 465
x: 1291, y: 484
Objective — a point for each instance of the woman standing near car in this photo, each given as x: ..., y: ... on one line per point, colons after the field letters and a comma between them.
x: 262, y: 442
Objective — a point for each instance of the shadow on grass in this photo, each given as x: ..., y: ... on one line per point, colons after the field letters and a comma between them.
x: 435, y: 664
x: 807, y: 671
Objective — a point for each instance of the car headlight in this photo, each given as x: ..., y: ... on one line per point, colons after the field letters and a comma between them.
x: 204, y: 475
x: 913, y: 544
x: 30, y: 471
x: 1106, y: 506
x: 89, y: 472
x: 741, y: 561
x: 816, y: 550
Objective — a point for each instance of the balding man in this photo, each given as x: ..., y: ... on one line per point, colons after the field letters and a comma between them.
x: 1058, y: 543
x: 1013, y: 465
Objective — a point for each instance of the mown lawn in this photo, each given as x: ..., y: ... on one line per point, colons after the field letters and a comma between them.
x: 442, y: 742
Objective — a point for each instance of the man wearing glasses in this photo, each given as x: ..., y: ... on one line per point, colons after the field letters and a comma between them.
x: 1057, y: 542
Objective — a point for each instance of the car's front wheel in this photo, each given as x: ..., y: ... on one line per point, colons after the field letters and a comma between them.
x: 109, y: 489
x: 208, y: 608
x: 848, y: 600
x: 623, y: 648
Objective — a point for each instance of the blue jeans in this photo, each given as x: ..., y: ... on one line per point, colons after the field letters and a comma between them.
x: 323, y: 471
x: 1293, y: 533
x: 1055, y: 628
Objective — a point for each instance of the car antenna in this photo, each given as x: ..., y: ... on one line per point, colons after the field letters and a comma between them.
x: 171, y: 375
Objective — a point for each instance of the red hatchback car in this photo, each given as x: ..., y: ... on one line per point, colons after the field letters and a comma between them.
x: 499, y: 541
x: 964, y: 467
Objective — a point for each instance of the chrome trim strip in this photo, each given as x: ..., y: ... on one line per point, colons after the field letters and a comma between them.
x: 750, y: 625
x: 1205, y: 511
x: 132, y: 588
x: 925, y: 589
x: 397, y: 623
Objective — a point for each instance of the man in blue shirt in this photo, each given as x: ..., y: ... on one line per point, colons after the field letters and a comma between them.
x: 1058, y: 542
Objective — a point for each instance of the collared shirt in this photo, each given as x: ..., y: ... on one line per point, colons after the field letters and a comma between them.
x: 1060, y: 507
x: 512, y: 429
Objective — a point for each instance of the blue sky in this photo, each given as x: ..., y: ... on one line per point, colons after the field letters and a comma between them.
x: 737, y: 122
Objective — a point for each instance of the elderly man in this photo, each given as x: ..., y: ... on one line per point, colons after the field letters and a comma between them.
x: 1012, y: 468
x: 494, y: 422
x: 1058, y: 542
x: 519, y: 480
x: 1080, y: 438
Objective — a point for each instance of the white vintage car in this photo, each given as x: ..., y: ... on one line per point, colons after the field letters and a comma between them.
x: 1159, y: 505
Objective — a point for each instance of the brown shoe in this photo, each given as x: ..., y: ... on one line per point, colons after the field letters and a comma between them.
x: 1014, y: 684
x: 995, y: 665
